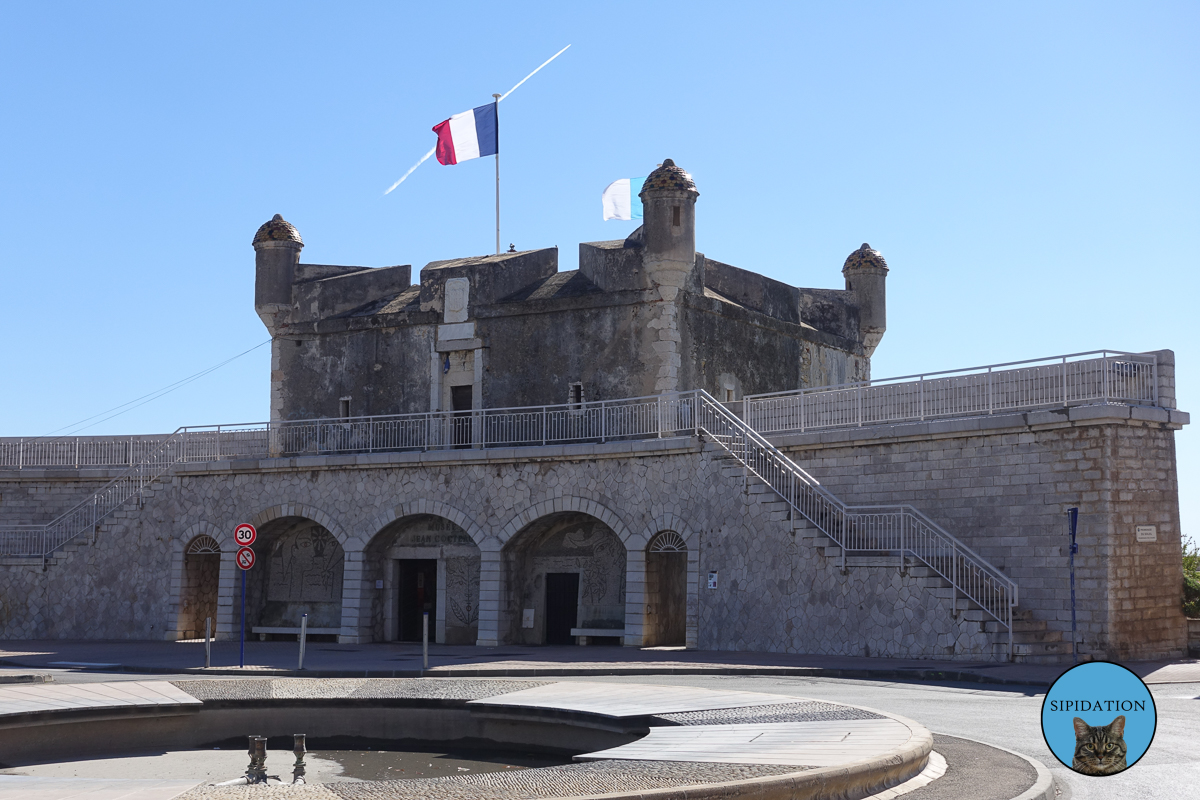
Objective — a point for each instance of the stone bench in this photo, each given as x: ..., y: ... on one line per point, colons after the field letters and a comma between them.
x: 584, y: 634
x: 263, y: 631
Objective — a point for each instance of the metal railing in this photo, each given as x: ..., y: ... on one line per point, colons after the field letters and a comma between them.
x: 76, y: 452
x: 1100, y: 376
x: 84, y: 517
x: 603, y: 421
x: 899, y: 529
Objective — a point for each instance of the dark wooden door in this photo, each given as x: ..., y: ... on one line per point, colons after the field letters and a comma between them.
x: 418, y: 596
x: 461, y: 400
x: 562, y: 606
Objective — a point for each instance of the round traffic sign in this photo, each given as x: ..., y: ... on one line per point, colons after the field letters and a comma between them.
x: 245, y: 534
x: 245, y: 558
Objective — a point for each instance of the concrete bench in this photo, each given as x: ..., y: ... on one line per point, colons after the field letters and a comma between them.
x: 263, y: 631
x: 588, y: 633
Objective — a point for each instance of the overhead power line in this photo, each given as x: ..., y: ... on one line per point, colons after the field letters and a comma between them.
x: 147, y: 398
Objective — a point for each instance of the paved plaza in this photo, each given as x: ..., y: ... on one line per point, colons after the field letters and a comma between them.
x: 405, y: 660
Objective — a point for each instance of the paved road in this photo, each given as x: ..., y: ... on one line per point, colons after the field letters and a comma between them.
x: 1008, y: 718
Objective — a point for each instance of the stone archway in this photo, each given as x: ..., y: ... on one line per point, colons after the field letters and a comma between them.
x: 422, y: 562
x: 666, y: 591
x: 550, y: 559
x: 299, y: 570
x: 199, y: 583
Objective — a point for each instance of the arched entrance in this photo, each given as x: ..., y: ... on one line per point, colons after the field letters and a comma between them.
x: 200, y: 581
x: 425, y: 564
x: 565, y: 571
x: 666, y: 590
x: 298, y: 571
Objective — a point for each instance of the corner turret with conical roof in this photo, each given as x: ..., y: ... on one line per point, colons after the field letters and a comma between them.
x: 669, y: 259
x: 866, y: 280
x: 277, y: 246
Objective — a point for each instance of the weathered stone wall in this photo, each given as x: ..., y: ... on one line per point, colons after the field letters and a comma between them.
x: 1002, y: 485
x: 35, y: 497
x: 999, y: 484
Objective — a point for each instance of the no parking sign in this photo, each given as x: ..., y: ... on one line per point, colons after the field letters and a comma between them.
x: 245, y: 558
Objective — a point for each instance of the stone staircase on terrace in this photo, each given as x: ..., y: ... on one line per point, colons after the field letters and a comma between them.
x: 1033, y: 641
x: 126, y: 512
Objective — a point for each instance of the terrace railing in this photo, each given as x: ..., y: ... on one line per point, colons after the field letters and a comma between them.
x: 1101, y: 376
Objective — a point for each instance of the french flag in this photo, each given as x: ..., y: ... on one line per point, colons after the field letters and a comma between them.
x: 468, y: 135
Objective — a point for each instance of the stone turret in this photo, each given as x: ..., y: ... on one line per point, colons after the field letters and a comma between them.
x: 866, y: 277
x: 669, y: 228
x: 669, y: 233
x: 277, y: 246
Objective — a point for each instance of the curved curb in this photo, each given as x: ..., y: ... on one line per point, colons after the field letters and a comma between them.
x: 1043, y: 786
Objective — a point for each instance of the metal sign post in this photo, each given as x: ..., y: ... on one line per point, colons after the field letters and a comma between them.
x: 1073, y: 520
x: 245, y: 535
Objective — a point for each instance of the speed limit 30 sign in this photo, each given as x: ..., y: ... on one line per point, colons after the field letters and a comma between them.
x: 244, y: 534
x: 245, y: 558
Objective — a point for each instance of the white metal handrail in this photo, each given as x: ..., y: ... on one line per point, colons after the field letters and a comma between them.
x: 899, y: 529
x: 1102, y: 376
x: 43, y: 540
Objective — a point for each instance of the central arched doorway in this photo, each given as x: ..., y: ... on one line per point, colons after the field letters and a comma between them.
x: 299, y: 570
x: 201, y: 581
x: 425, y: 564
x: 565, y: 571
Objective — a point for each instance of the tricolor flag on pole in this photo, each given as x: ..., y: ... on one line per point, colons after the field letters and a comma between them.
x: 468, y: 135
x: 620, y: 199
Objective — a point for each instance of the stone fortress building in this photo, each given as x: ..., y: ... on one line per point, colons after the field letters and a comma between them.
x: 641, y: 316
x: 466, y: 446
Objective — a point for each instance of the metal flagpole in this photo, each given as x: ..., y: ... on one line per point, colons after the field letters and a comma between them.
x: 496, y: 105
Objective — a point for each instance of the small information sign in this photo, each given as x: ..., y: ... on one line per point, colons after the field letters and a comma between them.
x: 245, y: 558
x: 712, y: 580
x: 1147, y: 533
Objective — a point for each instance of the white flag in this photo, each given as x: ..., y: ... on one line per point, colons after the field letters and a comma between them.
x: 620, y: 201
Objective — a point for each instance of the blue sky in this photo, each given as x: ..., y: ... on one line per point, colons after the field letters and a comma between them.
x: 1028, y: 170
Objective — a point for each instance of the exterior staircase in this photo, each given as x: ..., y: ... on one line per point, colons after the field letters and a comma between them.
x: 1032, y: 640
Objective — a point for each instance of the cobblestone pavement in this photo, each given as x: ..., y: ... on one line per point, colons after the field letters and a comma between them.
x: 596, y: 777
x: 782, y: 712
x: 352, y: 688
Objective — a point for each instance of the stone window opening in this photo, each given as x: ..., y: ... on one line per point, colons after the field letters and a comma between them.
x: 675, y: 216
x: 575, y: 396
x: 344, y: 407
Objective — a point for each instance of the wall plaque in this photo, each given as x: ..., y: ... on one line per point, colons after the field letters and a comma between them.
x: 1147, y: 533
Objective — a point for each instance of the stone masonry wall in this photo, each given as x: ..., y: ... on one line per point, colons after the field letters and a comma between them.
x: 1002, y: 485
x: 35, y: 497
x: 999, y: 483
x: 773, y: 595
